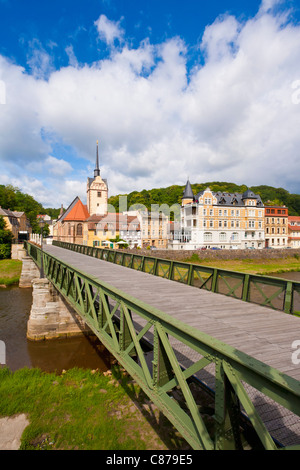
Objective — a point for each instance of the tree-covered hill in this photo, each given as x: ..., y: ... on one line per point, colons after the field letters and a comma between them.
x: 12, y: 198
x: 172, y: 195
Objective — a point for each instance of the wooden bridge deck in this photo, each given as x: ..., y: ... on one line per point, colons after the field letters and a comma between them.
x: 260, y: 332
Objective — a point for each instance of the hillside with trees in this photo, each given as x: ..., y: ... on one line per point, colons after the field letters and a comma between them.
x: 172, y: 195
x: 13, y: 199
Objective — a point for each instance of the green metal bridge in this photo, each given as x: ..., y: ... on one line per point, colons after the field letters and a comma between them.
x: 213, y: 351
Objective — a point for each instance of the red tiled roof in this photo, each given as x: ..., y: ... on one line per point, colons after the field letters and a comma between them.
x: 113, y: 221
x: 294, y: 227
x: 78, y: 212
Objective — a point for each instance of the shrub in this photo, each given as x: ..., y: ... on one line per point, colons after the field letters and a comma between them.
x: 5, y: 250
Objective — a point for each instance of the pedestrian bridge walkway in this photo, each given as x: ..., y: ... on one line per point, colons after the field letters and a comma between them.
x: 239, y: 352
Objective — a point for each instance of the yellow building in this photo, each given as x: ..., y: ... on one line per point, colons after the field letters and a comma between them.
x: 17, y: 223
x: 221, y: 220
x: 100, y: 230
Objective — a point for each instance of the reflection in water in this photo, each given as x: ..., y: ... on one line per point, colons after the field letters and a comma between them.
x: 50, y: 356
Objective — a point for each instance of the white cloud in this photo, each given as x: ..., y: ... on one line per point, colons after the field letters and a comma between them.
x: 109, y: 30
x: 267, y: 5
x: 231, y: 118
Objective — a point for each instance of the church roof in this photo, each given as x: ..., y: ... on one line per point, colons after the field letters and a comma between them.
x: 78, y: 212
x: 90, y: 180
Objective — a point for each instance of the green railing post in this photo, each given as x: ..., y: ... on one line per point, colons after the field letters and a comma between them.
x: 214, y: 282
x: 190, y: 275
x: 246, y: 285
x: 288, y: 299
x: 171, y: 270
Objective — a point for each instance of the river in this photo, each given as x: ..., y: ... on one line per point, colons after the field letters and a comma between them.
x: 49, y: 356
x: 52, y: 355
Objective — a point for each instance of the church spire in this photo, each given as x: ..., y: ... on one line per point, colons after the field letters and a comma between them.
x: 97, y: 169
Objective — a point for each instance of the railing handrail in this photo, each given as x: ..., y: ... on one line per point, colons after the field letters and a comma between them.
x: 289, y: 287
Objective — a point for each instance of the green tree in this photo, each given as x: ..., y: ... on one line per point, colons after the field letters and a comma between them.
x: 6, y: 237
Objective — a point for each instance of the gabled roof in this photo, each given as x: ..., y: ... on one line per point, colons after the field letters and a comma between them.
x: 77, y: 212
x: 7, y: 213
x: 229, y: 199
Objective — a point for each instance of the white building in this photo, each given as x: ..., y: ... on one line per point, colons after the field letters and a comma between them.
x: 220, y: 220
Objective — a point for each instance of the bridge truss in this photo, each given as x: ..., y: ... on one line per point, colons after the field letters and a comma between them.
x: 143, y: 339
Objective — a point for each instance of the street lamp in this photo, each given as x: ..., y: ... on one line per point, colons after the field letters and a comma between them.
x: 42, y: 225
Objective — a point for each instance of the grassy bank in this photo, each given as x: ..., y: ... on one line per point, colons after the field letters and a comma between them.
x: 10, y: 271
x: 84, y: 409
x: 251, y: 266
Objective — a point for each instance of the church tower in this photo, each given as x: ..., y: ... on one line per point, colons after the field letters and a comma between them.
x: 97, y: 191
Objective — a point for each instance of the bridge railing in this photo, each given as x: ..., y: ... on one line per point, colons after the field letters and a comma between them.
x: 276, y: 293
x: 124, y: 324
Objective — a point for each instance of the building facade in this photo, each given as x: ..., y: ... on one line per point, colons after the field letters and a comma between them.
x: 154, y: 228
x: 17, y: 223
x: 221, y: 220
x: 294, y: 231
x: 276, y: 226
x: 112, y: 230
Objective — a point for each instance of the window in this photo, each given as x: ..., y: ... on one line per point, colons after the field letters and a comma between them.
x: 207, y: 236
x: 207, y: 201
x: 99, y: 193
x: 79, y: 229
x: 222, y: 236
x: 235, y: 236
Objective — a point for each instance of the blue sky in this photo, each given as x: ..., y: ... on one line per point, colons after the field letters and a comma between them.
x: 171, y: 89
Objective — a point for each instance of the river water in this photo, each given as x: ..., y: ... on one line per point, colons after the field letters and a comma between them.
x: 54, y: 355
x: 50, y: 356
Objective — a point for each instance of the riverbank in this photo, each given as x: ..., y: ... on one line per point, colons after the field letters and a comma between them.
x: 262, y: 266
x: 84, y: 410
x: 10, y: 272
